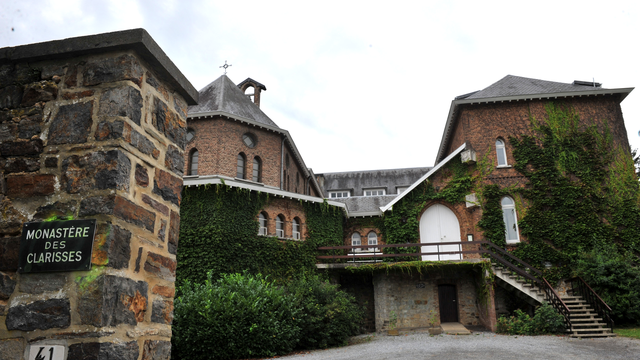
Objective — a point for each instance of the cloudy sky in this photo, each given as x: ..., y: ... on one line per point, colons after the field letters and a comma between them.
x: 361, y: 84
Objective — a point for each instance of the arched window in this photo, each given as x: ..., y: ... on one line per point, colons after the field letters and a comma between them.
x: 510, y: 220
x: 356, y: 241
x: 193, y: 162
x: 372, y: 238
x: 262, y: 219
x: 280, y: 226
x: 257, y: 169
x: 240, y: 168
x: 501, y: 152
x: 296, y: 228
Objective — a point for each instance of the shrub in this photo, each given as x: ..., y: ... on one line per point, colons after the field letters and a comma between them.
x: 545, y: 321
x: 238, y: 316
x: 329, y: 316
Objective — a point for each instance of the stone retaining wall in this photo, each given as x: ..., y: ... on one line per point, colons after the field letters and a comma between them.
x: 92, y: 128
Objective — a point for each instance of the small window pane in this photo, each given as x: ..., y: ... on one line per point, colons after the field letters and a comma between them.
x: 501, y: 153
x: 510, y: 219
x: 372, y: 238
x: 256, y: 170
x: 190, y: 134
x: 248, y: 140
x: 355, y: 239
x: 240, y: 168
x: 193, y: 167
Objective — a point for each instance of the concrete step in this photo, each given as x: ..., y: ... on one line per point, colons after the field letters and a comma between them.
x: 592, y: 335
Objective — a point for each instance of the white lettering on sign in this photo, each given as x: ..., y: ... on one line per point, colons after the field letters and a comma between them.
x: 46, y: 352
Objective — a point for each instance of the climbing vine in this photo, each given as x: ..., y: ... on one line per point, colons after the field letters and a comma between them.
x: 219, y: 228
x: 581, y: 192
x: 402, y: 225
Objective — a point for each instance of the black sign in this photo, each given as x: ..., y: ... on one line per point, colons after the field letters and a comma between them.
x: 56, y: 246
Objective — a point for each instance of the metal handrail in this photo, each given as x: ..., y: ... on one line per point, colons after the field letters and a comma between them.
x: 591, y: 297
x: 525, y: 270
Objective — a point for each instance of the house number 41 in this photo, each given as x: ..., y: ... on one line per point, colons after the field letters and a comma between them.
x: 46, y: 352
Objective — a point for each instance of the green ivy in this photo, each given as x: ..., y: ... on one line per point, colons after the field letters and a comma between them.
x: 581, y: 192
x: 219, y: 228
x: 402, y: 224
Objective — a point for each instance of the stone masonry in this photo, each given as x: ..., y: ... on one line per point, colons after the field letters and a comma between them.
x: 90, y: 128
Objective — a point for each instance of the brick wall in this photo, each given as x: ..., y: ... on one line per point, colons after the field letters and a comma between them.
x: 93, y: 131
x: 289, y: 209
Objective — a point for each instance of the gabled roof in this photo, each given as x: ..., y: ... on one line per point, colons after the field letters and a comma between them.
x: 223, y: 95
x: 425, y: 177
x: 252, y: 81
x: 516, y: 88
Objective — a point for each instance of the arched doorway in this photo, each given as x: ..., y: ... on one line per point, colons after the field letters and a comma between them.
x: 439, y: 224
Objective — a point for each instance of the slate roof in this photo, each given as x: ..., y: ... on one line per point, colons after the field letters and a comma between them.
x: 365, y: 204
x: 356, y: 181
x: 515, y: 85
x: 224, y: 96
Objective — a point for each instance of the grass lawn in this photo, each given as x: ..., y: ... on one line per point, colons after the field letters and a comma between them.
x: 628, y: 332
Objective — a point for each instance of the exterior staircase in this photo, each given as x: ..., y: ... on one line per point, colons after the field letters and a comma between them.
x: 586, y: 323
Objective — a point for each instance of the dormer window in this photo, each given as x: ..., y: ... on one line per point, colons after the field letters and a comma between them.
x: 339, y: 194
x: 374, y: 192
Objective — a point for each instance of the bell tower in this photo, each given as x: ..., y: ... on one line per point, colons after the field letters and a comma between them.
x: 253, y: 93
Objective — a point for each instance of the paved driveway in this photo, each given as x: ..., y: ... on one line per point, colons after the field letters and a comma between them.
x: 484, y: 345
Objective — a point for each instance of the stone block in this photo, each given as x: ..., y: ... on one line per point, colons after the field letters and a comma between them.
x: 21, y: 148
x: 10, y: 97
x: 111, y: 300
x: 11, y: 349
x: 164, y: 210
x: 169, y: 124
x: 49, y: 71
x: 77, y: 95
x: 28, y: 128
x: 163, y: 230
x: 109, y: 130
x: 105, y: 70
x: 51, y: 162
x: 174, y: 160
x: 21, y: 164
x: 142, y: 176
x: 151, y: 80
x: 167, y: 186
x: 160, y: 266
x: 37, y: 283
x: 180, y: 106
x: 140, y: 142
x: 122, y: 101
x: 166, y: 291
x: 39, y: 91
x: 8, y: 131
x: 98, y: 170
x: 18, y: 74
x: 162, y: 312
x: 174, y: 232
x: 9, y: 252
x: 112, y: 246
x: 12, y: 219
x: 156, y: 350
x: 132, y: 213
x: 72, y: 124
x: 104, y: 351
x: 41, y: 314
x: 97, y: 205
x: 7, y: 285
x: 30, y: 185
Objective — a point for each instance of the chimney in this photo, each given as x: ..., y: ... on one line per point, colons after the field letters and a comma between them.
x: 252, y: 89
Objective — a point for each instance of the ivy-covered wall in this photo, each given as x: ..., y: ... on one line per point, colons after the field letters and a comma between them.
x: 219, y: 228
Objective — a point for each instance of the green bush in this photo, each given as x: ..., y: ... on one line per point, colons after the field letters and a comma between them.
x: 545, y: 321
x: 238, y: 316
x: 329, y: 316
x: 612, y: 276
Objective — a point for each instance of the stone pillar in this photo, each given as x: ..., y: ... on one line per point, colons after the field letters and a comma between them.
x: 92, y: 128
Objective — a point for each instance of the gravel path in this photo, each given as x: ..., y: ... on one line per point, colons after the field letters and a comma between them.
x: 484, y: 345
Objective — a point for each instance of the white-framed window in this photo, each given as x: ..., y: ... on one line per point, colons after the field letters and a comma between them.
x: 510, y: 220
x: 262, y: 219
x: 356, y: 241
x: 401, y: 189
x: 373, y: 192
x: 296, y: 228
x: 372, y: 238
x: 339, y: 194
x: 501, y: 153
x: 240, y: 167
x: 280, y: 226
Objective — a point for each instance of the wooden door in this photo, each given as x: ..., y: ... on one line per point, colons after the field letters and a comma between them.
x: 439, y: 224
x: 448, y: 303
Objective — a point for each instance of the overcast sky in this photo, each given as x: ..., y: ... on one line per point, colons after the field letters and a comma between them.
x: 362, y: 86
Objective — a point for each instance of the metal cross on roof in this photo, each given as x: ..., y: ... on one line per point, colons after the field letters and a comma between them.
x: 225, y: 66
